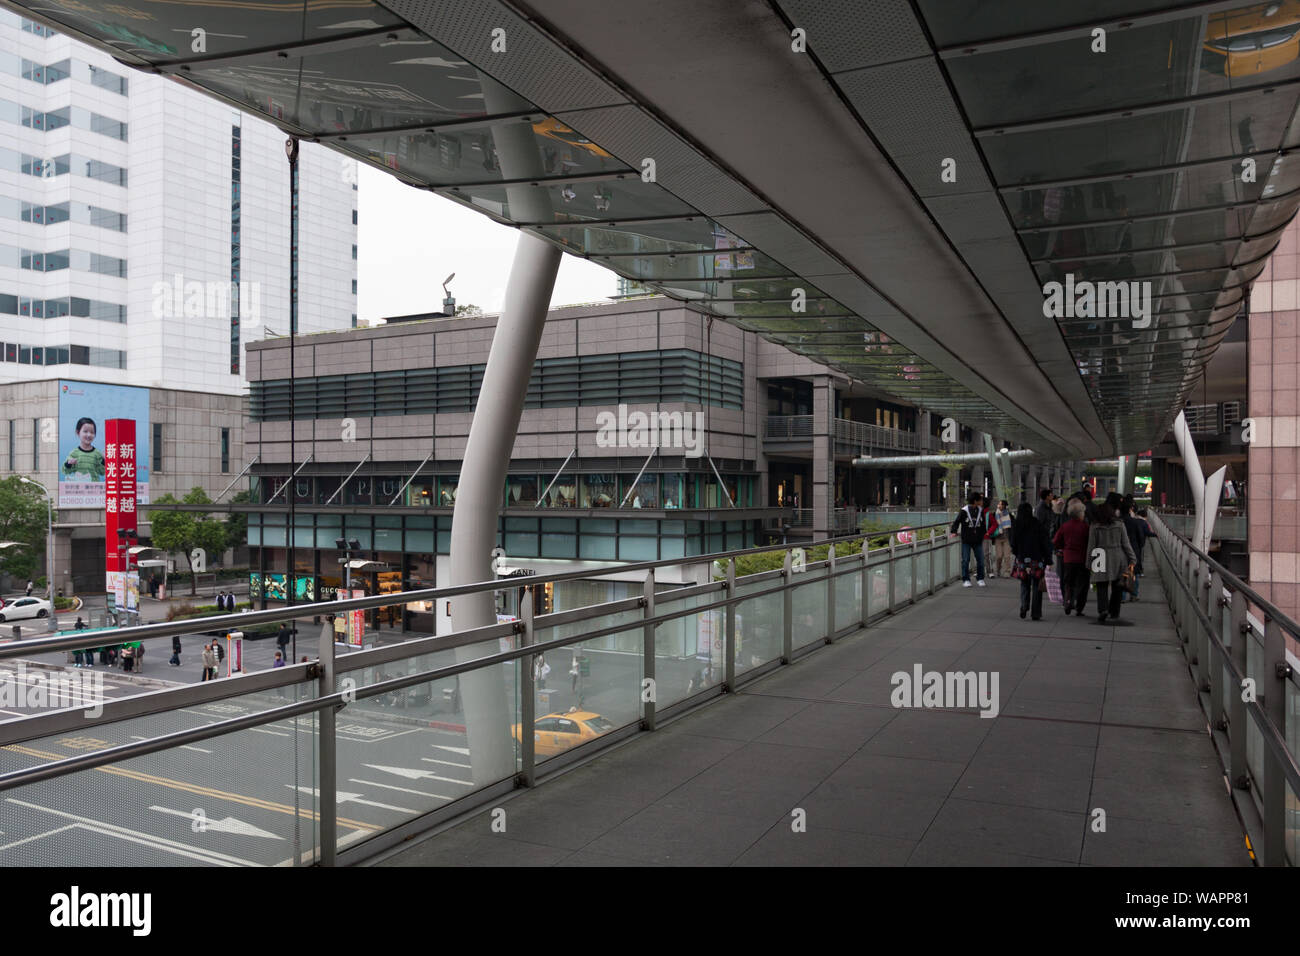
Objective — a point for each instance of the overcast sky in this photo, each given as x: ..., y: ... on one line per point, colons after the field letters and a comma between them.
x: 409, y: 240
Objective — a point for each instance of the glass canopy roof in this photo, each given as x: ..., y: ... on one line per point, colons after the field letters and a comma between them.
x: 1126, y: 165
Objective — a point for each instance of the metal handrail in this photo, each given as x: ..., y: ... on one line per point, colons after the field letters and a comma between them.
x: 1211, y: 657
x: 235, y: 622
x: 26, y: 776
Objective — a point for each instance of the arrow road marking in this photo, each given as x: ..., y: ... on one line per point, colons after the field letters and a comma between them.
x: 228, y: 825
x: 417, y: 774
x: 354, y: 798
x: 449, y: 763
x: 389, y: 786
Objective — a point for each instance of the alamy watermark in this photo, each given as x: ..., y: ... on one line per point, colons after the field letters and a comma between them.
x: 37, y: 689
x: 949, y: 689
x: 665, y: 430
x: 193, y: 299
x: 1084, y: 299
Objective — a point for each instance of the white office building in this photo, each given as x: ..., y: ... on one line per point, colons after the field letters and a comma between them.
x: 144, y: 227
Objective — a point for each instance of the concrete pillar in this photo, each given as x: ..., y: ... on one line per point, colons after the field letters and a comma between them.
x: 484, y: 694
x: 823, y: 489
x: 922, y: 481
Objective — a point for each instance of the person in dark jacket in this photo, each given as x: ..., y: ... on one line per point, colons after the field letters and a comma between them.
x: 1033, y: 551
x: 282, y: 639
x: 1072, y: 541
x: 973, y: 525
x: 1044, y: 510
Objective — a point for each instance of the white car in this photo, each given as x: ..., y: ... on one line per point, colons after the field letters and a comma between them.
x: 25, y: 607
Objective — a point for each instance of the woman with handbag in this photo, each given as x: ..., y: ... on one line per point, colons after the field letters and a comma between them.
x: 1110, y: 558
x: 1033, y: 550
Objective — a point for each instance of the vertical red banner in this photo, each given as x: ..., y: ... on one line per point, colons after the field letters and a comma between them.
x: 119, y: 500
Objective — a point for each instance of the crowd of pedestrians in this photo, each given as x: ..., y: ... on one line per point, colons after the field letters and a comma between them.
x: 1071, y: 541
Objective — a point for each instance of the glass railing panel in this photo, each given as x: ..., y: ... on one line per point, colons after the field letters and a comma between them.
x: 247, y: 798
x: 902, y: 576
x: 877, y: 588
x: 848, y: 593
x: 689, y: 650
x: 759, y: 625
x: 411, y: 750
x: 808, y: 623
x: 598, y: 690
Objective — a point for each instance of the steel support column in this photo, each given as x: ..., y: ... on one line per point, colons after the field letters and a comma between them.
x: 491, y: 439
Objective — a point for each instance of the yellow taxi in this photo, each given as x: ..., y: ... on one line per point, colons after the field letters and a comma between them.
x: 1253, y: 39
x: 552, y: 128
x: 556, y: 733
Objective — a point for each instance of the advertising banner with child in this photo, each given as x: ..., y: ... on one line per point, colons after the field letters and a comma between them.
x: 83, y: 409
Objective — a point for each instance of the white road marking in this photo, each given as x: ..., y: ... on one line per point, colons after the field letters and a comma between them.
x: 449, y: 763
x: 228, y: 825
x: 463, y: 751
x: 133, y: 836
x: 415, y: 773
x: 263, y: 730
x: 354, y: 798
x: 389, y: 786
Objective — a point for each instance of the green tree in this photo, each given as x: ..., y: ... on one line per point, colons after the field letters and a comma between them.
x: 22, y: 520
x: 468, y: 309
x: 186, y: 530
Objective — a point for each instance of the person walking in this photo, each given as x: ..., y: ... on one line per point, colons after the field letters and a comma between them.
x: 1109, y: 554
x: 1000, y: 528
x: 30, y: 585
x: 1043, y: 512
x: 210, y: 661
x: 971, y: 523
x: 279, y: 660
x: 1137, y: 530
x: 176, y: 651
x: 1033, y: 551
x: 1071, y: 542
x: 282, y: 639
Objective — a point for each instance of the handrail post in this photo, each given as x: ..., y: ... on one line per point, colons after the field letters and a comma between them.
x: 729, y: 648
x: 787, y: 610
x: 865, y: 577
x: 1273, y: 700
x: 1203, y: 652
x: 1214, y: 608
x: 527, y: 695
x: 328, y: 783
x: 932, y: 561
x: 912, y: 589
x: 1238, y: 767
x: 830, y: 593
x: 889, y: 605
x: 648, y: 691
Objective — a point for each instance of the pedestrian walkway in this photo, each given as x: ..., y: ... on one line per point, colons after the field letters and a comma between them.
x: 1099, y: 756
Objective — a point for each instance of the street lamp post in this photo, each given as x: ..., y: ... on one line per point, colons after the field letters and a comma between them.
x: 52, y: 625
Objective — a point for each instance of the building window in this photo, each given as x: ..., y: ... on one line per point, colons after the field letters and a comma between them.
x: 36, y: 445
x: 354, y: 220
x: 225, y: 451
x: 354, y: 286
x: 13, y: 444
x: 354, y: 250
x: 157, y: 447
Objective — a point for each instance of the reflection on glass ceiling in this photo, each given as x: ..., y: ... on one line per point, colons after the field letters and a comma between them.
x: 1122, y: 166
x: 1132, y: 165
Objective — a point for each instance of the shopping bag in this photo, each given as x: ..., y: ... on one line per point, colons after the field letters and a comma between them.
x: 1054, y: 587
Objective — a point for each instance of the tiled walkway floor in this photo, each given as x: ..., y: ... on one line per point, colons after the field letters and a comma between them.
x: 1092, y: 718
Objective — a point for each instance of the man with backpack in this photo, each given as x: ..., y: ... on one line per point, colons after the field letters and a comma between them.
x: 971, y: 523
